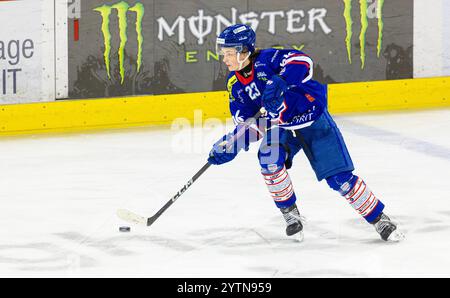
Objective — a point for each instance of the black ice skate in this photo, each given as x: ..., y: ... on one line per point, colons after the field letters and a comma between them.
x: 293, y: 220
x: 387, y: 229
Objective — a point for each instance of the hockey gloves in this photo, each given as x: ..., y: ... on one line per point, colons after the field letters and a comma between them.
x: 272, y: 97
x: 226, y: 149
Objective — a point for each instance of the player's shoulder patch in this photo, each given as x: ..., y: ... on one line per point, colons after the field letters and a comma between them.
x: 231, y: 81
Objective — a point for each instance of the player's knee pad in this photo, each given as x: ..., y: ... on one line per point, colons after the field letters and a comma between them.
x: 271, y: 156
x: 342, y: 182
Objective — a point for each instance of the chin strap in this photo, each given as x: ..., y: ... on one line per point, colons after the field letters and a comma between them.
x: 242, y: 62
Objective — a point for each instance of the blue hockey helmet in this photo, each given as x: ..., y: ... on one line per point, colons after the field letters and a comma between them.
x: 238, y: 36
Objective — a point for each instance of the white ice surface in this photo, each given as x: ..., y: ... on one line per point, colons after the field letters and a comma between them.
x: 59, y: 195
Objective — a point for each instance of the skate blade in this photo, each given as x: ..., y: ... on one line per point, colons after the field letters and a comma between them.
x: 396, y: 236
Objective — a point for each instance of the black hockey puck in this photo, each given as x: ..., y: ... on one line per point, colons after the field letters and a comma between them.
x: 124, y: 229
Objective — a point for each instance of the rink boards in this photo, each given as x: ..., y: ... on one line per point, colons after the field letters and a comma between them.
x: 76, y: 115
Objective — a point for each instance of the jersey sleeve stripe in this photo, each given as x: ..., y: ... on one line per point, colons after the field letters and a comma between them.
x: 304, y: 60
x: 297, y: 62
x: 297, y: 55
x: 301, y: 58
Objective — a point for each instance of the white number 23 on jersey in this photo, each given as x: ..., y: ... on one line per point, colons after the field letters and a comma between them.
x: 252, y: 91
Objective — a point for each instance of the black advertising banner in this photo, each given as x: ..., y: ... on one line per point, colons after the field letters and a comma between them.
x: 119, y: 48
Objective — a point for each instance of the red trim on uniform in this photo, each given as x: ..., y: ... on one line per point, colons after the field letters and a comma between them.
x: 274, y: 177
x: 368, y: 202
x: 300, y: 62
x: 270, y: 184
x: 288, y: 196
x: 280, y: 118
x: 283, y: 190
x: 243, y: 80
x: 354, y: 186
x: 369, y: 206
x: 298, y: 55
x: 356, y: 199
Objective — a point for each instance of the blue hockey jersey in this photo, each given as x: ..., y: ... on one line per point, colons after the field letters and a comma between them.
x: 304, y: 102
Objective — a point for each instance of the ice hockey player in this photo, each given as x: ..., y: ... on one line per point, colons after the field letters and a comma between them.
x: 296, y: 118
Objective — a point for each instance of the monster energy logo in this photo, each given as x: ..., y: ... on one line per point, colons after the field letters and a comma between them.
x: 364, y: 25
x: 122, y: 9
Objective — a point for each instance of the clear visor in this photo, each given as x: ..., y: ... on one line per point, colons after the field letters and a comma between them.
x: 228, y: 49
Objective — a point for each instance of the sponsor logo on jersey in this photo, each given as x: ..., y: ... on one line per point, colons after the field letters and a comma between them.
x: 306, y: 117
x: 309, y: 97
x: 122, y: 8
x: 285, y: 58
x: 274, y: 56
x: 239, y: 95
x: 238, y: 119
x: 261, y: 74
x: 230, y: 84
x: 259, y: 64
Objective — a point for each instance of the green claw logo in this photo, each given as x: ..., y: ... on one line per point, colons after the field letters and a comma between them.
x: 122, y: 9
x: 364, y: 25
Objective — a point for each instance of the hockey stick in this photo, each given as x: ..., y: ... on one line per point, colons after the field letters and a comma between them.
x: 148, y: 221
